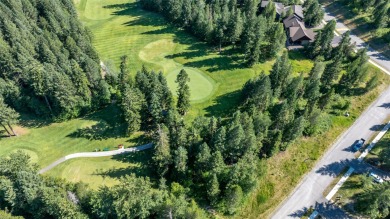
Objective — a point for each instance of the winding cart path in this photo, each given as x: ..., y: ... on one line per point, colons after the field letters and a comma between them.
x: 95, y: 154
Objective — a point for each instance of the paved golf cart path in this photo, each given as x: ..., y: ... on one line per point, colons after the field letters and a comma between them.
x: 95, y: 154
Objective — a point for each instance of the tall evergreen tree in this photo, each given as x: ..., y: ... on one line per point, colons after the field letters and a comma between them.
x: 355, y: 73
x: 162, y: 156
x: 131, y: 105
x: 313, y: 13
x: 8, y: 117
x: 280, y: 73
x: 183, y: 92
x: 380, y: 14
x: 331, y: 73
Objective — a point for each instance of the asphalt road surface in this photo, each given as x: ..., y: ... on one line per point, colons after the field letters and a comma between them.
x: 376, y: 58
x: 310, y: 190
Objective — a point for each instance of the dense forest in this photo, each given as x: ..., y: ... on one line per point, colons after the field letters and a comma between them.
x: 48, y: 66
x: 47, y: 63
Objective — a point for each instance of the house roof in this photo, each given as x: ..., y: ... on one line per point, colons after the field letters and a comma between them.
x: 299, y: 32
x: 279, y: 6
x: 291, y: 21
x: 297, y: 10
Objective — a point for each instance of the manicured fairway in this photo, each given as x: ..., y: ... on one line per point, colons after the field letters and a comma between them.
x: 201, y: 86
x: 121, y: 27
x: 47, y: 143
x: 103, y: 171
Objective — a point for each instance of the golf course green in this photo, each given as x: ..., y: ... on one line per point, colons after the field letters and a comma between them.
x: 201, y: 85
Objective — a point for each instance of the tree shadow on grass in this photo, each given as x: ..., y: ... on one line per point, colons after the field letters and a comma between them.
x: 31, y: 121
x: 214, y: 64
x: 141, y: 165
x: 135, y: 11
x: 196, y: 48
x: 108, y: 125
x: 224, y: 105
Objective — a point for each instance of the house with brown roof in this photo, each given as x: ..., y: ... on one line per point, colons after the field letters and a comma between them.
x: 281, y: 10
x: 297, y: 33
x: 297, y: 10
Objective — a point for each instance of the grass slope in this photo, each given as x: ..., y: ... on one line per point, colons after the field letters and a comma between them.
x: 47, y: 143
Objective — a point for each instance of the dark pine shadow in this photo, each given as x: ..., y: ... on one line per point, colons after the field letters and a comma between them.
x: 224, y: 105
x: 377, y: 127
x: 141, y: 165
x: 351, y: 149
x: 325, y: 210
x: 334, y: 169
x: 299, y: 213
x: 109, y: 125
x: 31, y: 121
x: 385, y: 105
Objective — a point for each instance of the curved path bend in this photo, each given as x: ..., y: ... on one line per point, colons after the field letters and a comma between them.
x: 95, y: 154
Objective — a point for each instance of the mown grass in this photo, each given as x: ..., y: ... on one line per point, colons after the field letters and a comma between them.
x: 121, y: 27
x: 48, y: 142
x: 104, y: 171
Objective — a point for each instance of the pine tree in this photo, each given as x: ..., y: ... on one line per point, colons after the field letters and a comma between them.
x: 294, y: 130
x: 8, y: 117
x: 162, y: 155
x: 270, y: 11
x: 235, y: 25
x: 325, y: 99
x: 294, y: 90
x: 180, y: 160
x: 233, y: 198
x: 183, y: 92
x: 219, y: 140
x: 380, y: 14
x: 234, y: 146
x: 203, y: 158
x: 217, y: 163
x: 344, y: 48
x: 213, y: 190
x: 131, y: 105
x: 313, y: 13
x: 255, y: 50
x: 331, y: 73
x: 249, y: 35
x: 322, y: 45
x: 280, y: 73
x: 355, y: 73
